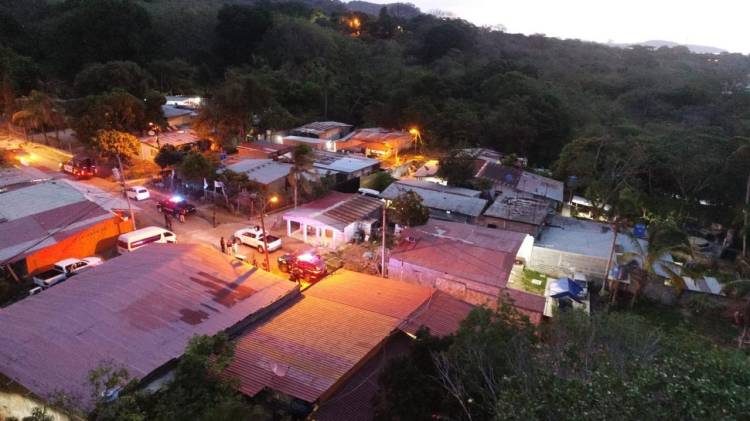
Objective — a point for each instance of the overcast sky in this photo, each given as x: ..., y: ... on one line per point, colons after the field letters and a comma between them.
x: 715, y: 23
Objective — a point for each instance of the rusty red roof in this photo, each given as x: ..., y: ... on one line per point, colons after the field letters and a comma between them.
x: 477, y: 253
x: 353, y: 401
x: 25, y: 235
x: 308, y: 347
x: 442, y: 314
x: 137, y: 310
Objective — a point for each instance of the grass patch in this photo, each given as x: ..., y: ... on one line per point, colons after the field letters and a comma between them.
x: 674, y: 318
x: 527, y: 285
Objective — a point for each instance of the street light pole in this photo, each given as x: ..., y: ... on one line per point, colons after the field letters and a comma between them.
x: 122, y: 181
x: 382, y: 257
x: 272, y: 199
x: 265, y: 241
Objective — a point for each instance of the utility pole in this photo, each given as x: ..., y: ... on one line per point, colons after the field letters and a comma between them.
x: 382, y: 257
x: 122, y: 181
x: 265, y: 200
x: 615, y: 225
x: 265, y: 240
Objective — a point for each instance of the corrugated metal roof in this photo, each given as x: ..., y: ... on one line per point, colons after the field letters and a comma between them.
x: 355, y: 209
x: 353, y: 401
x: 442, y: 314
x: 515, y: 205
x: 137, y: 311
x: 531, y: 305
x: 39, y: 215
x: 263, y: 171
x: 321, y: 126
x: 379, y: 295
x: 484, y: 255
x: 335, y: 210
x: 307, y: 347
x: 19, y: 175
x: 37, y: 198
x: 380, y: 139
x: 524, y: 181
x: 500, y: 173
x: 344, y: 163
x: 172, y: 111
x: 439, y: 197
x: 541, y: 186
x: 175, y: 138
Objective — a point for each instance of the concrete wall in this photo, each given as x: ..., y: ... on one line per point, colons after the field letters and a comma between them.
x: 97, y: 239
x: 559, y: 263
x: 526, y: 249
x: 463, y: 289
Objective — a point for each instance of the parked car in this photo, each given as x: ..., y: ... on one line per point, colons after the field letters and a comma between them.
x: 307, y: 266
x: 369, y: 192
x: 137, y: 193
x: 134, y: 240
x: 253, y: 237
x: 80, y: 167
x: 64, y: 269
x: 175, y: 206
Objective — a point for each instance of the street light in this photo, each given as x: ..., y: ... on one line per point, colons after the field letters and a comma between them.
x: 416, y: 136
x: 155, y: 129
x: 265, y: 202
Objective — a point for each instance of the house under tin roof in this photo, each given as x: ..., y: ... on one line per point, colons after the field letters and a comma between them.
x: 309, y: 348
x: 445, y: 202
x: 39, y: 215
x: 262, y: 171
x: 136, y: 311
x: 524, y: 181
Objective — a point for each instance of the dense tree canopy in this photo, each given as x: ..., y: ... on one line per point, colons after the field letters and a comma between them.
x: 634, y: 113
x: 609, y: 366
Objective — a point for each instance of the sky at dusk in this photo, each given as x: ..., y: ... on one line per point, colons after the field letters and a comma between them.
x: 716, y: 23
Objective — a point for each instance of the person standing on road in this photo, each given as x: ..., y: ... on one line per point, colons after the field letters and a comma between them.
x: 235, y: 245
x: 223, y: 246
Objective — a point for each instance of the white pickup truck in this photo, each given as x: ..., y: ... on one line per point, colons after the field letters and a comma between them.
x: 64, y: 269
x: 253, y: 237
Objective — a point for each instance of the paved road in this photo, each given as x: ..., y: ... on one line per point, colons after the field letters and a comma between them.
x: 197, y: 228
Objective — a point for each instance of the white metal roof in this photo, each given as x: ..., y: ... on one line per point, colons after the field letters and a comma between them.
x: 263, y: 171
x: 440, y: 197
x: 343, y: 163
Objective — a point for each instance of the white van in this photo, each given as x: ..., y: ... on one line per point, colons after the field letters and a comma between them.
x: 139, y: 238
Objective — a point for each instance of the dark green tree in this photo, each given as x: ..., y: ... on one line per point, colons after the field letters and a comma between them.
x: 169, y: 156
x: 94, y: 31
x: 239, y: 31
x: 407, y: 210
x: 98, y: 78
x: 117, y: 110
x: 302, y: 169
x: 196, y: 167
x: 235, y: 105
x: 457, y: 169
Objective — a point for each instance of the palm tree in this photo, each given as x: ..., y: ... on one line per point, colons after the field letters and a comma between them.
x: 743, y: 152
x: 302, y: 167
x: 741, y: 289
x: 38, y: 111
x: 664, y: 238
x: 25, y: 119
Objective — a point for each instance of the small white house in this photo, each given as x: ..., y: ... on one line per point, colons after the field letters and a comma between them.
x: 334, y: 220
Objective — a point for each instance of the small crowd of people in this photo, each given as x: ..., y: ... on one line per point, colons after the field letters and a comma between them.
x: 230, y: 245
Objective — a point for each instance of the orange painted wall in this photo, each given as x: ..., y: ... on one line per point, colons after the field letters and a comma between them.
x: 97, y: 239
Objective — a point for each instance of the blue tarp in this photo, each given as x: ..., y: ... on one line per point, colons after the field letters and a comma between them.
x: 565, y: 288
